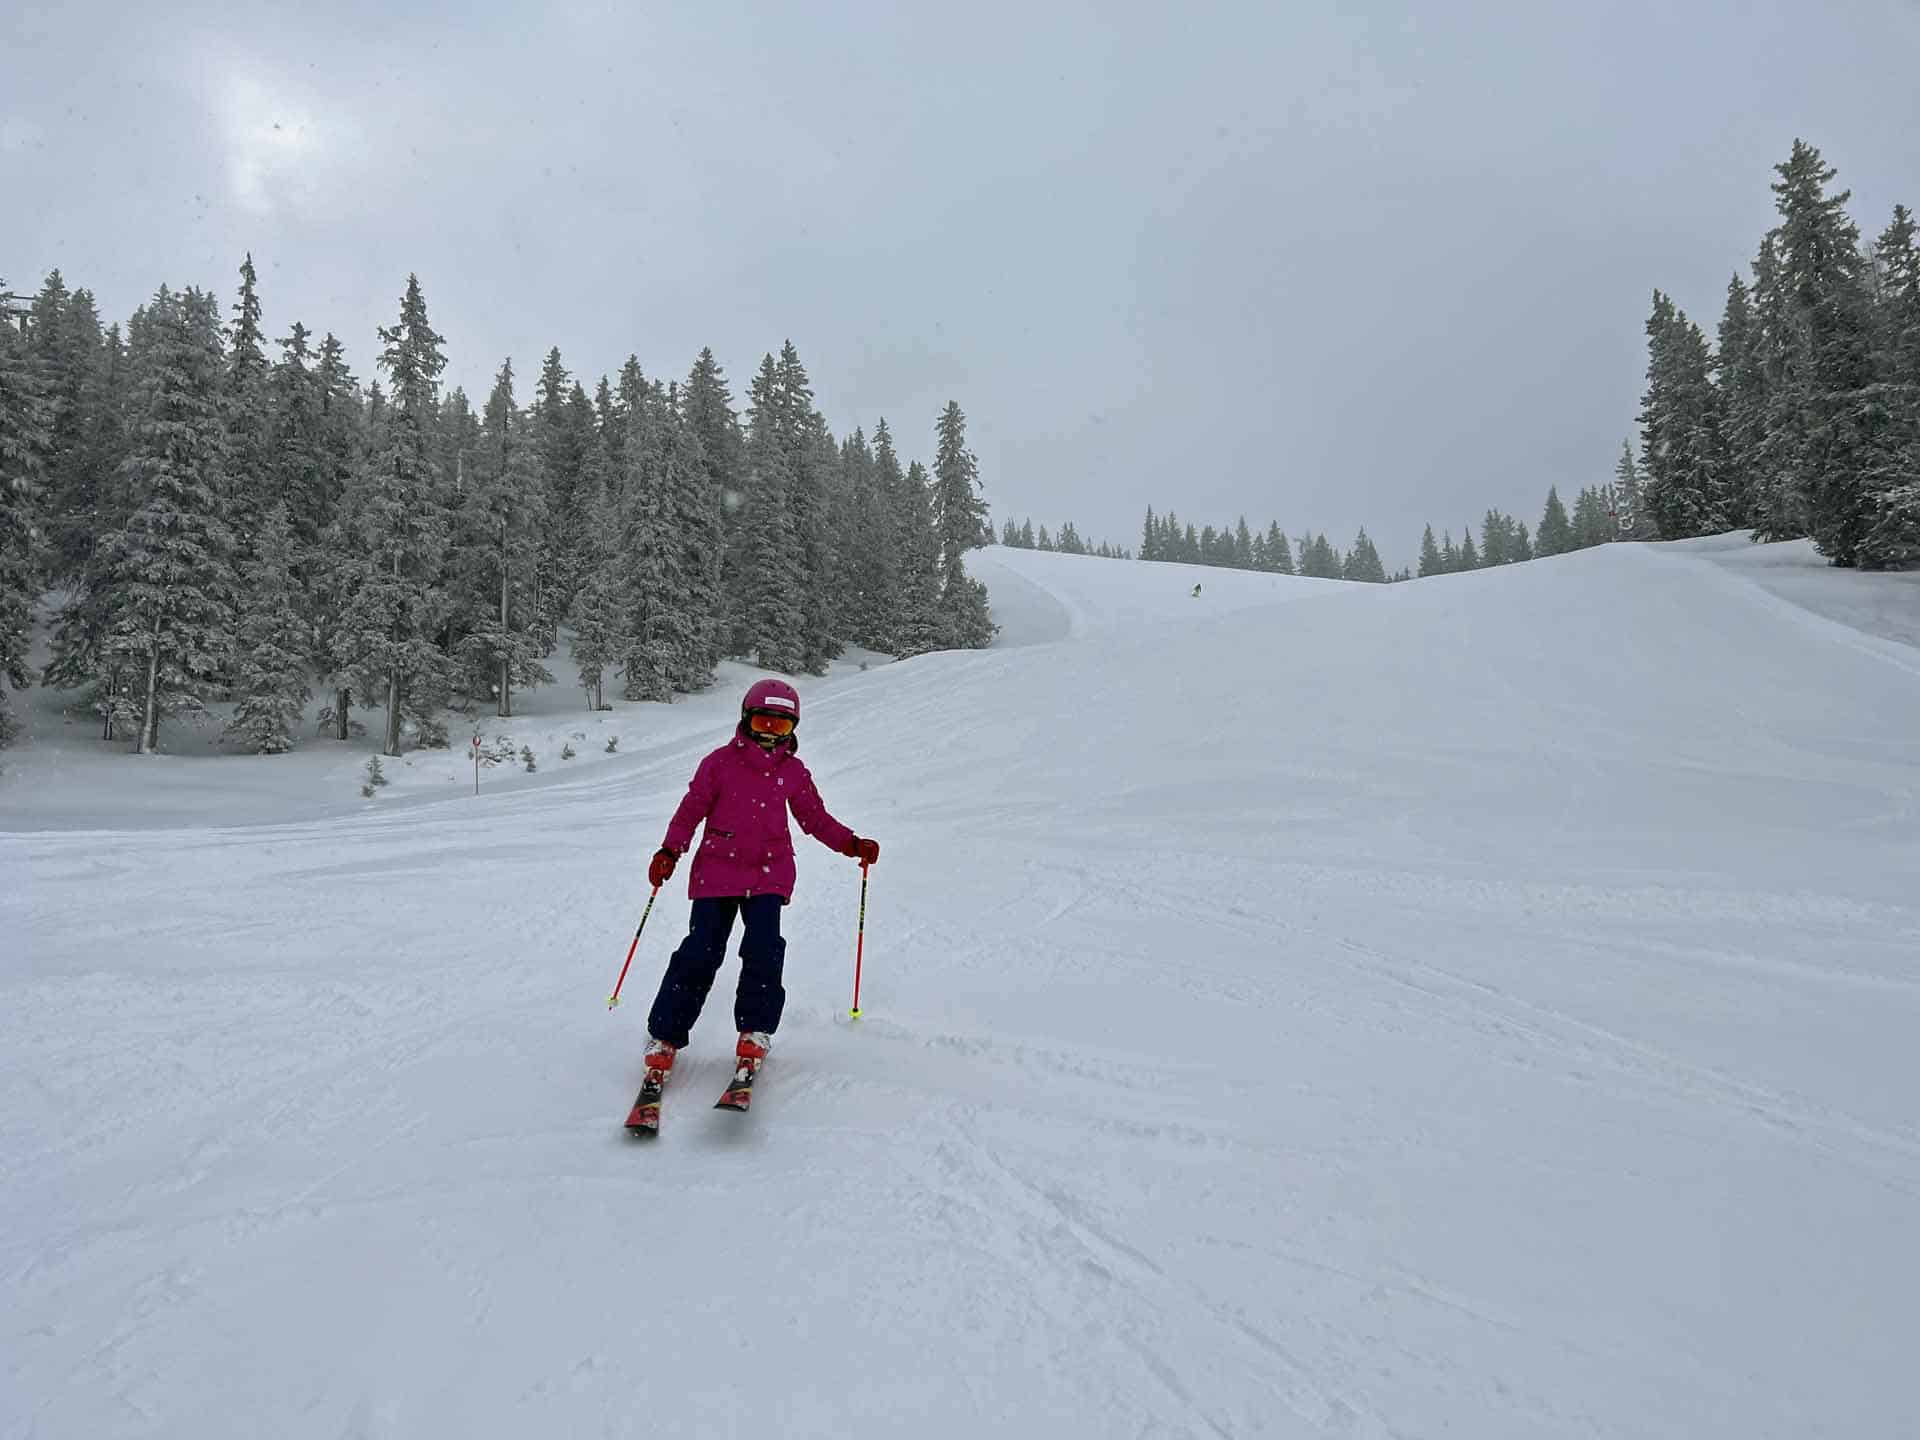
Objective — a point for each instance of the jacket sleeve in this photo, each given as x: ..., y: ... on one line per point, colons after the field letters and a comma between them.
x: 695, y: 806
x: 811, y: 812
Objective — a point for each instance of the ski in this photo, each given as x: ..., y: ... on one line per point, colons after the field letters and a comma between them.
x: 748, y: 1056
x: 644, y: 1119
x: 739, y: 1092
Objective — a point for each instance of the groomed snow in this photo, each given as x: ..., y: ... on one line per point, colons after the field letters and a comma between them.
x: 1480, y: 1007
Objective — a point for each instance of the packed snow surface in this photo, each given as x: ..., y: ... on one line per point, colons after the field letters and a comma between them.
x: 1482, y: 1007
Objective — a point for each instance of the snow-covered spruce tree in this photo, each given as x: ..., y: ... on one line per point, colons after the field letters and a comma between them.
x: 1363, y: 561
x: 1894, y: 539
x: 398, y: 534
x: 694, y: 525
x: 25, y: 439
x: 698, y: 527
x: 270, y: 670
x: 706, y: 404
x: 329, y: 566
x: 1431, y: 561
x: 562, y: 446
x: 844, y: 521
x: 663, y: 628
x: 250, y: 469
x: 921, y: 625
x: 502, y: 521
x: 1496, y: 536
x: 1741, y: 374
x: 1555, y: 536
x: 1779, y: 511
x: 93, y: 508
x: 1279, y: 557
x: 63, y: 344
x: 769, y: 574
x: 1494, y: 533
x: 1467, y: 557
x: 647, y: 553
x: 869, y: 558
x: 1591, y: 523
x: 1324, y: 560
x: 610, y: 422
x: 1833, y: 417
x: 959, y: 514
x: 298, y: 462
x: 812, y: 468
x: 1519, y: 542
x: 1630, y: 518
x: 1679, y: 430
x: 629, y: 400
x: 891, y: 530
x: 592, y: 471
x: 600, y: 610
x: 97, y: 502
x: 456, y: 447
x: 563, y: 431
x: 170, y: 567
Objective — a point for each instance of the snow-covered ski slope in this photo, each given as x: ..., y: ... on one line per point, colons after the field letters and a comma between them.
x: 1482, y: 1007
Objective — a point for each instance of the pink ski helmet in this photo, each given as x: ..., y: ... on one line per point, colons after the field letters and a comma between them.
x: 776, y: 697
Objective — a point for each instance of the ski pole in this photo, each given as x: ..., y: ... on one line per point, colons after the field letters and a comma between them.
x: 860, y: 940
x: 633, y: 947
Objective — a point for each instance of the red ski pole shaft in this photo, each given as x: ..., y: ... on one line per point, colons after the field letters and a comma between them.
x: 633, y: 947
x: 860, y: 940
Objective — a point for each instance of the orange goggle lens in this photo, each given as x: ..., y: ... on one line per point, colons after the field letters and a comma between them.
x: 770, y: 724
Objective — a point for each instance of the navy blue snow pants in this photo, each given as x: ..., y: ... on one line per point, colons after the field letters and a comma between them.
x: 763, y: 953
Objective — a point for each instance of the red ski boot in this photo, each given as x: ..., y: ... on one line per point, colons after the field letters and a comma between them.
x: 749, y: 1054
x: 644, y: 1119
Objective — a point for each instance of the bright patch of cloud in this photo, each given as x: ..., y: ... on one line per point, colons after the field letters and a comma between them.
x: 18, y: 135
x: 280, y: 147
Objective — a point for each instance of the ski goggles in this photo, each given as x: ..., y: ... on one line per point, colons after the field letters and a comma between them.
x: 763, y: 723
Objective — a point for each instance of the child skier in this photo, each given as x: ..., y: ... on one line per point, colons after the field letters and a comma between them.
x: 744, y: 867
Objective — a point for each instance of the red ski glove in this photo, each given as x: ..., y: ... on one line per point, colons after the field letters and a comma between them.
x: 661, y: 870
x: 867, y: 852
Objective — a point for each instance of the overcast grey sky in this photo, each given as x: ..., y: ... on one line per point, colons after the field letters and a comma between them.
x: 1331, y: 263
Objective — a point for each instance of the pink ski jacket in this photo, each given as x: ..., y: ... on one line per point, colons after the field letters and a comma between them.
x: 743, y: 793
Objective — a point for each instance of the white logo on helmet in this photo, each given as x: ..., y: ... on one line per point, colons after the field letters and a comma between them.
x: 768, y: 702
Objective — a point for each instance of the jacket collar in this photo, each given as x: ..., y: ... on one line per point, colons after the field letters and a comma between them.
x: 765, y: 759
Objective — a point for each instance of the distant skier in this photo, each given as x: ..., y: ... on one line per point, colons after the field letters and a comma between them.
x: 744, y: 867
x: 1196, y: 592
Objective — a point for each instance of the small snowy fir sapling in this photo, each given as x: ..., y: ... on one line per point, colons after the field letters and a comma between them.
x: 613, y: 744
x: 567, y: 751
x: 526, y: 758
x: 376, y: 777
